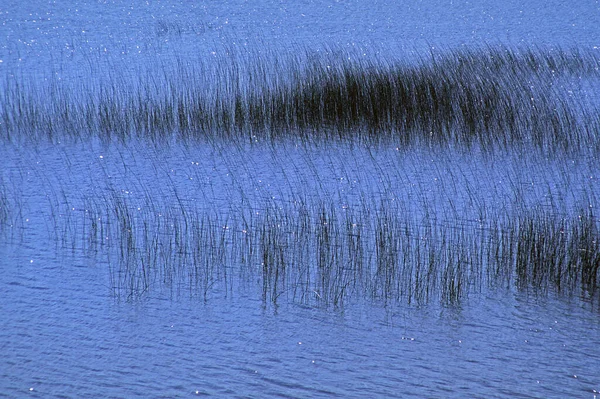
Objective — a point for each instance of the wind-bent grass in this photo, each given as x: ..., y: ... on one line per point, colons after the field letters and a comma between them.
x: 489, y: 97
x: 310, y: 239
x: 558, y: 253
x: 325, y: 225
x: 10, y: 210
x: 366, y: 227
x: 320, y: 255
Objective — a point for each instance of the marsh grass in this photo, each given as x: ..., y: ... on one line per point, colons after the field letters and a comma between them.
x: 320, y: 255
x: 558, y: 253
x: 490, y: 97
x: 383, y: 226
x: 306, y: 247
x: 12, y: 222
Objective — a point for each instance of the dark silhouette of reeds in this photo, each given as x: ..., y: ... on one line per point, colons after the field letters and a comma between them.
x: 558, y: 253
x: 490, y: 97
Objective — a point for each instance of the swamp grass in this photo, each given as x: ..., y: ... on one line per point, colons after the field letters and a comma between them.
x: 325, y: 256
x: 308, y: 249
x: 491, y: 97
x: 365, y: 229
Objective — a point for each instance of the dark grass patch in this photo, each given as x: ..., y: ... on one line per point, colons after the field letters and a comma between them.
x: 489, y: 97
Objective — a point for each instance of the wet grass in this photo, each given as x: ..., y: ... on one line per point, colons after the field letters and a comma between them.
x: 558, y: 253
x: 490, y: 97
x: 367, y: 227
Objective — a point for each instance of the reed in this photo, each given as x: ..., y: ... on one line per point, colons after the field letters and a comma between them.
x: 316, y: 244
x: 563, y: 254
x: 367, y: 228
x: 12, y: 222
x: 491, y: 97
x: 319, y: 255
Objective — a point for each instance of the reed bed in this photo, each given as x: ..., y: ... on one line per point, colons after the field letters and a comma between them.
x: 327, y: 229
x: 489, y: 97
x: 324, y: 225
x: 322, y: 256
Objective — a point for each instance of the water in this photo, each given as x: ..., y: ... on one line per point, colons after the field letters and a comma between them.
x: 72, y: 327
x: 64, y: 336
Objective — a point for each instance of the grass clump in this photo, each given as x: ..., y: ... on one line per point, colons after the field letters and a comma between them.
x: 558, y: 253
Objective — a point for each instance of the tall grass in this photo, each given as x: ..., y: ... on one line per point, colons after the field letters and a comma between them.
x: 11, y: 212
x: 558, y: 253
x: 390, y: 240
x: 489, y: 97
x: 321, y: 255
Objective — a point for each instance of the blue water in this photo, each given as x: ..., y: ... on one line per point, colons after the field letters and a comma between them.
x: 63, y: 336
x: 67, y: 331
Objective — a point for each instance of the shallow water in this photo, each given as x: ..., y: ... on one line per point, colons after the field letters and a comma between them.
x: 72, y: 327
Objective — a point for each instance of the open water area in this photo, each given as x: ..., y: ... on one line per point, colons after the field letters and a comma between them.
x: 141, y: 265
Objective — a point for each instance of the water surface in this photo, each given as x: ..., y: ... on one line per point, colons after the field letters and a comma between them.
x: 73, y: 327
